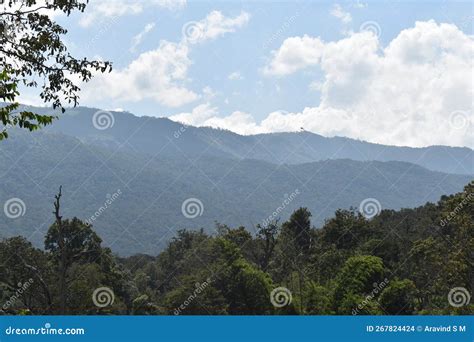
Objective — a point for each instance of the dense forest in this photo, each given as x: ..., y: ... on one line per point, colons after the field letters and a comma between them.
x: 412, y: 261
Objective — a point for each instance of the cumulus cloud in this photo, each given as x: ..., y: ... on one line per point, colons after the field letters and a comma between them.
x: 206, y: 115
x: 416, y: 91
x: 160, y: 74
x: 96, y: 10
x: 198, y: 116
x: 295, y: 53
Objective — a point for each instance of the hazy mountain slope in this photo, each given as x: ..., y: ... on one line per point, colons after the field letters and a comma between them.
x: 148, y: 211
x: 150, y: 135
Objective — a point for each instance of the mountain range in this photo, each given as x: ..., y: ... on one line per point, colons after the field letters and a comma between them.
x: 144, y: 169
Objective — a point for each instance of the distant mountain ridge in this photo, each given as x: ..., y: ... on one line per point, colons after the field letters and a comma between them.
x: 153, y: 187
x: 149, y: 135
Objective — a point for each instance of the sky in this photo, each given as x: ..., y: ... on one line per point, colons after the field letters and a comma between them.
x: 398, y: 72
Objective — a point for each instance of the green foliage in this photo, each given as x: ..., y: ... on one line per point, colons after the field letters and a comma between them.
x: 234, y: 272
x: 31, y: 48
x: 83, y: 243
x: 357, y: 279
x: 77, y: 163
x: 318, y: 300
x: 399, y: 297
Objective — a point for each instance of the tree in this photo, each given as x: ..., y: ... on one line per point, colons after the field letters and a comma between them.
x: 25, y: 267
x: 265, y: 243
x: 298, y: 230
x: 70, y: 241
x: 31, y: 48
x: 357, y: 279
x: 245, y: 287
x: 346, y: 229
x: 398, y: 298
x: 294, y: 247
x: 318, y: 300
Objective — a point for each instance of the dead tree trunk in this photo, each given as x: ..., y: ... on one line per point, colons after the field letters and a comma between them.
x: 62, y: 255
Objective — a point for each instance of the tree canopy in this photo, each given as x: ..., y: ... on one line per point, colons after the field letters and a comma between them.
x: 34, y: 55
x: 374, y: 270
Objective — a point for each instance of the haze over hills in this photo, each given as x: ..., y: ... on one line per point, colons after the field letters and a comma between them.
x: 154, y: 182
x: 153, y: 135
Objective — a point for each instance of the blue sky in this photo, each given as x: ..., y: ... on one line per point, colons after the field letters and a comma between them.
x: 266, y: 66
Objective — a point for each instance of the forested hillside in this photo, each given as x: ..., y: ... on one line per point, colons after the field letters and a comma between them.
x: 150, y: 135
x: 399, y: 262
x: 149, y: 191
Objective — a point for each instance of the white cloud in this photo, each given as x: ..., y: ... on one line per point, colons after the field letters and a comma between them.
x: 294, y: 54
x: 213, y: 26
x: 159, y: 74
x: 235, y: 76
x: 206, y: 115
x: 239, y: 122
x: 338, y: 12
x: 137, y: 40
x: 98, y: 9
x: 417, y: 91
x: 198, y: 115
